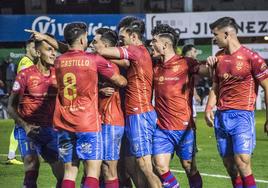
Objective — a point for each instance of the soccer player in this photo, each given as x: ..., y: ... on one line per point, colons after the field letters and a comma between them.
x: 173, y: 84
x: 31, y: 105
x: 189, y: 50
x: 238, y: 72
x: 111, y: 113
x: 25, y: 62
x: 140, y: 114
x: 76, y: 113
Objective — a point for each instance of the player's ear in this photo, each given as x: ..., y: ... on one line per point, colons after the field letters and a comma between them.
x: 226, y: 35
x: 38, y: 53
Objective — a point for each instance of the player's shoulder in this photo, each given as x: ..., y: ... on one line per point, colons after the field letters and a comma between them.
x: 220, y: 53
x: 249, y: 53
x: 24, y: 73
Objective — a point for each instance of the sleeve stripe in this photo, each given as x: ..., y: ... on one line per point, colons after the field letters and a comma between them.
x: 262, y: 74
x: 125, y: 52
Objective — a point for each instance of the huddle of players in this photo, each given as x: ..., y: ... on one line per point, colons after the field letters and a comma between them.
x: 73, y: 88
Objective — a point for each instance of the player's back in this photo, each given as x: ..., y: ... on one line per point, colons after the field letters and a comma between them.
x: 77, y: 101
x: 140, y: 77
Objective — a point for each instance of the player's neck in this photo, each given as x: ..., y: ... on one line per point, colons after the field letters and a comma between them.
x: 137, y: 43
x: 45, y: 70
x: 29, y: 56
x: 76, y: 47
x: 233, y: 46
x: 168, y: 55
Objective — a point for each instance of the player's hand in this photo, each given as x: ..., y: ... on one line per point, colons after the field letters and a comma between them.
x: 36, y: 35
x: 107, y: 91
x: 31, y: 130
x: 209, y: 117
x: 212, y: 60
x: 266, y: 127
x: 197, y: 98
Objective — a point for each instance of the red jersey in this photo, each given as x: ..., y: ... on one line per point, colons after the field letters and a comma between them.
x: 174, y: 84
x: 37, y: 96
x: 110, y: 107
x: 77, y: 101
x: 138, y: 94
x: 237, y: 76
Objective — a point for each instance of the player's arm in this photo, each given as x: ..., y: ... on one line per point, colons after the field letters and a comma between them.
x: 105, y: 68
x: 212, y: 100
x: 59, y: 46
x: 121, y: 62
x: 264, y: 85
x: 13, y: 102
x: 122, y: 53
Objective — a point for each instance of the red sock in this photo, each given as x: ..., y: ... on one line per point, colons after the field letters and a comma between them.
x: 91, y: 182
x: 169, y: 180
x: 112, y: 183
x: 68, y: 184
x: 30, y: 179
x: 237, y: 182
x: 249, y: 181
x: 195, y: 180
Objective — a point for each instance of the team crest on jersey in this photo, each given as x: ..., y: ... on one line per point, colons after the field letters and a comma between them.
x: 175, y: 68
x: 16, y: 86
x: 239, y: 65
x: 239, y: 57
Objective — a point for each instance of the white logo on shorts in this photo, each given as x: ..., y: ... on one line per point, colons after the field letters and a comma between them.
x: 86, y: 148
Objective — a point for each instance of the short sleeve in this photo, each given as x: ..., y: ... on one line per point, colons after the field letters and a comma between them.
x: 104, y: 67
x: 129, y: 52
x: 259, y: 67
x: 20, y: 83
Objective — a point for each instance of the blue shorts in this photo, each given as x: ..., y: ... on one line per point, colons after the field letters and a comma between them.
x: 139, y: 131
x: 235, y: 132
x: 44, y: 144
x: 111, y: 135
x: 170, y: 141
x: 79, y: 146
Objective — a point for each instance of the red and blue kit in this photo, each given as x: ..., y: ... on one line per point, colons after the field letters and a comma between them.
x: 112, y: 120
x: 174, y: 84
x: 36, y: 106
x: 141, y: 117
x: 237, y: 76
x: 76, y: 113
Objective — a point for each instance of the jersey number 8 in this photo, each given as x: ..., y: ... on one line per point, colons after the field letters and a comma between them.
x: 69, y: 81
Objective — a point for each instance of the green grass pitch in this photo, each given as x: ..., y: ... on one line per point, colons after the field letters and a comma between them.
x: 208, y: 160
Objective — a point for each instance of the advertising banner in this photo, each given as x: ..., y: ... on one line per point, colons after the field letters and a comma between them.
x: 12, y: 26
x: 196, y: 24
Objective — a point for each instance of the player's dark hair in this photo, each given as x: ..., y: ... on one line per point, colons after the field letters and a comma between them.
x: 133, y: 25
x: 73, y: 31
x: 108, y: 36
x: 164, y: 30
x: 186, y: 48
x: 125, y: 22
x: 224, y: 22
